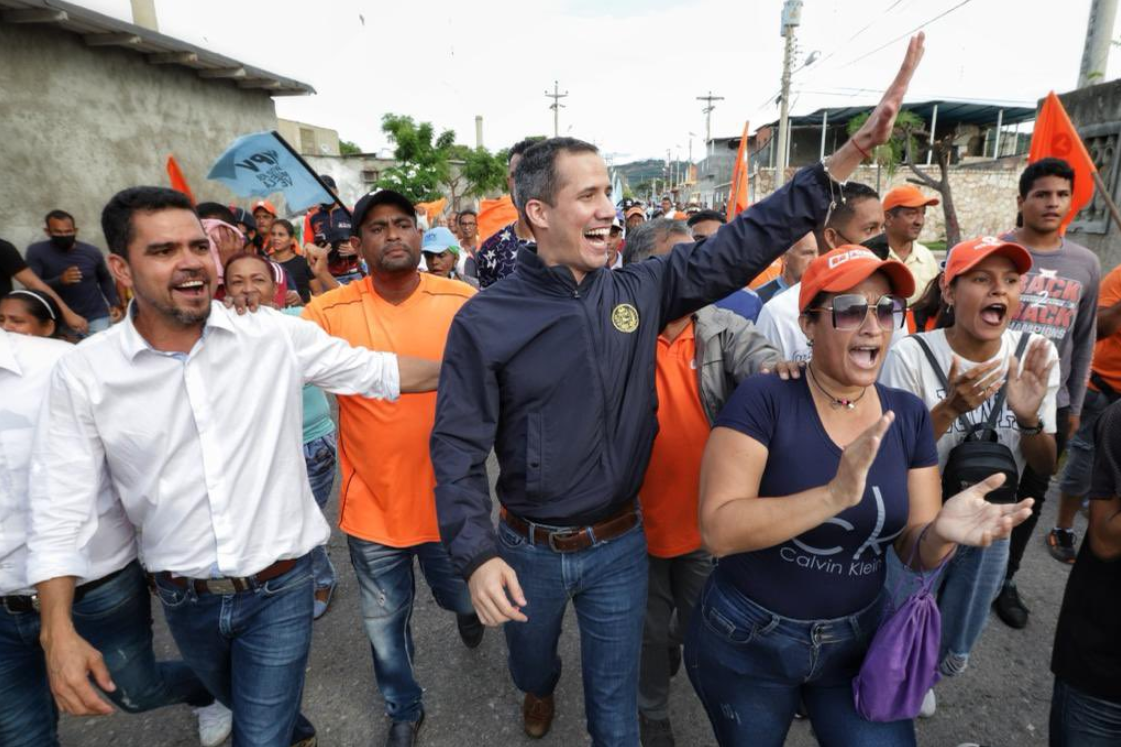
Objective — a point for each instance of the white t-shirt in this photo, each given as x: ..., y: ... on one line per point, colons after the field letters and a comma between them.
x: 907, y: 368
x: 778, y: 322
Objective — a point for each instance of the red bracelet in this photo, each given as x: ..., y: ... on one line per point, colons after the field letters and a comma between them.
x: 862, y: 151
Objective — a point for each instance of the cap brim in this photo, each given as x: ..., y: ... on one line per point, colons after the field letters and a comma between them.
x: 901, y: 279
x: 1019, y: 256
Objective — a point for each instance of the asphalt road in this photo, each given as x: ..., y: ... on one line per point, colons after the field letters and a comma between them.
x: 1002, y: 701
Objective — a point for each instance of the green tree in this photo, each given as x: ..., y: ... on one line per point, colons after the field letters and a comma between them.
x: 422, y: 158
x: 889, y: 156
x: 347, y: 148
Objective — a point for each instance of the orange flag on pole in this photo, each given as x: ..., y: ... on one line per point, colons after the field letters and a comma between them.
x: 494, y: 215
x: 432, y: 209
x: 178, y: 181
x: 1055, y: 137
x: 737, y: 196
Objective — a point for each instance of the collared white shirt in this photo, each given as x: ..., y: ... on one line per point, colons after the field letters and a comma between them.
x: 25, y: 372
x: 204, y: 450
x: 923, y: 266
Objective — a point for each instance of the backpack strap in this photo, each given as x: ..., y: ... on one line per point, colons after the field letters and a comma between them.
x: 964, y: 421
x: 998, y: 403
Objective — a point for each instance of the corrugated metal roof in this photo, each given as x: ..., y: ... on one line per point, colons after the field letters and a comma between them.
x: 949, y: 112
x: 101, y: 30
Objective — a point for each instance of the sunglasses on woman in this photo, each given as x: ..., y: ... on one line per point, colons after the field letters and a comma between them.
x: 850, y: 310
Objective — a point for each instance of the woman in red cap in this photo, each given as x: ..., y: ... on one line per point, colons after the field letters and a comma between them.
x: 978, y: 355
x: 805, y: 484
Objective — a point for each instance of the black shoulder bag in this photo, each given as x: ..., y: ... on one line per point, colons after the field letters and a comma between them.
x: 980, y: 454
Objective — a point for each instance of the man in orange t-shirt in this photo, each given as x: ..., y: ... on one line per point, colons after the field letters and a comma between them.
x: 387, y: 503
x: 700, y: 360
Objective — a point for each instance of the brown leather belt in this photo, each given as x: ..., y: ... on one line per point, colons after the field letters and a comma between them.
x: 30, y: 602
x: 576, y: 538
x: 229, y: 584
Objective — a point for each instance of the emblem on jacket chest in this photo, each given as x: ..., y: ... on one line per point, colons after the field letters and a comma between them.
x: 625, y: 318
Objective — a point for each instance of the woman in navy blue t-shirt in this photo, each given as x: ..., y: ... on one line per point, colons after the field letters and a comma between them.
x: 805, y: 484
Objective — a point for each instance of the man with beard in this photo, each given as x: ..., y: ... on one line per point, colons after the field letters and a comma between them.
x: 387, y: 505
x: 164, y: 409
x: 76, y: 271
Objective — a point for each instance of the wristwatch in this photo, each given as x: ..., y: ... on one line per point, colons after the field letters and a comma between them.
x: 1030, y: 430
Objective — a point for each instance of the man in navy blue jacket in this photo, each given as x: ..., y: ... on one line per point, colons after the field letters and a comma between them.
x: 553, y: 368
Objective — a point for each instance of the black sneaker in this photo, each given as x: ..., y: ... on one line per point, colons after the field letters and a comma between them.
x: 1060, y: 543
x: 655, y: 732
x: 403, y: 733
x: 471, y: 629
x: 1010, y: 608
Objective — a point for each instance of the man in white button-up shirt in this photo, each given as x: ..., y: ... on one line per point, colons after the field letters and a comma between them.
x: 206, y: 463
x: 112, y: 605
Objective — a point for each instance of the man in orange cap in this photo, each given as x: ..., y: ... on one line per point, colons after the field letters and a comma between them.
x: 904, y: 216
x: 264, y: 213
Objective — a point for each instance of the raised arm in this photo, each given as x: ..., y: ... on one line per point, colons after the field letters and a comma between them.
x: 695, y: 275
x: 334, y: 365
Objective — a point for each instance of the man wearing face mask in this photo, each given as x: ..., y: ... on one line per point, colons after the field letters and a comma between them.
x: 76, y: 271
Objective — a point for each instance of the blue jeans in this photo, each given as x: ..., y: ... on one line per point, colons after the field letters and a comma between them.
x: 607, y: 585
x: 1081, y: 720
x: 250, y: 649
x: 969, y: 584
x: 320, y: 458
x: 750, y: 667
x: 116, y: 619
x: 100, y: 324
x: 387, y: 586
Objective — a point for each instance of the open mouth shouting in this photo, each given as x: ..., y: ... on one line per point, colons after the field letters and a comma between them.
x: 994, y: 314
x: 865, y: 356
x: 597, y: 239
x: 193, y: 288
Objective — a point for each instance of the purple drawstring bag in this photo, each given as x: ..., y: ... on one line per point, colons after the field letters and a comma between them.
x: 902, y: 662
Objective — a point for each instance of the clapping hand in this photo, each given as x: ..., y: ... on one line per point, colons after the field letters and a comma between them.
x: 1028, y: 386
x: 847, y: 487
x: 968, y: 519
x: 971, y: 389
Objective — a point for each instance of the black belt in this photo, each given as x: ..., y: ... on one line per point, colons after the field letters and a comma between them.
x: 230, y: 584
x: 30, y: 603
x: 1110, y: 394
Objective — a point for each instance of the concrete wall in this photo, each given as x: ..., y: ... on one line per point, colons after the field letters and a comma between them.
x: 1096, y: 112
x: 984, y: 195
x: 309, y: 139
x: 81, y: 123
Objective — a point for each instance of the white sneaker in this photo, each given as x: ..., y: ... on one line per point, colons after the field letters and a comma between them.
x: 929, y: 704
x: 215, y: 724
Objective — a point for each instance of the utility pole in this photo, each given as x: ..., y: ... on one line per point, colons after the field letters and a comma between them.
x: 556, y: 106
x: 708, y: 113
x: 791, y: 18
x: 1095, y: 53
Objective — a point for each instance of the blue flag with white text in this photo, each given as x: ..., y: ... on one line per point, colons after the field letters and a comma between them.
x: 261, y: 164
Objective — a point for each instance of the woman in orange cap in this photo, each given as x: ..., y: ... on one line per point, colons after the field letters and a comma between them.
x: 805, y: 483
x: 978, y: 355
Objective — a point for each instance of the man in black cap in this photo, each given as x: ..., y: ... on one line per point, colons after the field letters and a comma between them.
x: 328, y: 227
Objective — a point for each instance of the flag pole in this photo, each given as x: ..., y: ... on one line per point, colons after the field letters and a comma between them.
x: 313, y: 173
x: 1108, y: 200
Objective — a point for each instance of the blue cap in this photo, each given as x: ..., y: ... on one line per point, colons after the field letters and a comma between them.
x: 439, y: 239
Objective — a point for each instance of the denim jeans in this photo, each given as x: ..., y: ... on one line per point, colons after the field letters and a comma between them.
x: 320, y: 455
x: 674, y: 585
x: 1081, y: 720
x: 387, y: 587
x: 100, y: 324
x: 116, y: 619
x: 250, y: 649
x: 969, y: 584
x: 750, y: 667
x: 1080, y: 457
x: 607, y: 585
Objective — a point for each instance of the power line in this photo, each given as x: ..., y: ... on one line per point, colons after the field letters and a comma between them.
x: 922, y: 25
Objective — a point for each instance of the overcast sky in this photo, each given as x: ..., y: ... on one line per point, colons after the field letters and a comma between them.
x: 632, y: 68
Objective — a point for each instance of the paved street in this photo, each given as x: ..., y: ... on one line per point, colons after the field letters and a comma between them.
x: 1002, y: 701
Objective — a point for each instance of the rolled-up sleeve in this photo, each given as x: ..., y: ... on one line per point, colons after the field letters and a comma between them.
x: 467, y: 412
x: 67, y: 469
x: 336, y: 366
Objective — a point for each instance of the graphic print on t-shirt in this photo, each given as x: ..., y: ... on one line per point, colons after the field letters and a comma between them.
x: 1048, y: 304
x: 831, y: 559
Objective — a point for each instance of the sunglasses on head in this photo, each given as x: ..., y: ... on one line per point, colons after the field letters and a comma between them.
x: 850, y: 310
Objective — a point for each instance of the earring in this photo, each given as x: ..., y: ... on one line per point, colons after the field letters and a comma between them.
x: 810, y: 343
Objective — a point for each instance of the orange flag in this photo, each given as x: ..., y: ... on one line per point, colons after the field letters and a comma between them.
x: 737, y: 196
x: 494, y: 215
x: 178, y: 182
x: 432, y: 209
x: 1055, y: 137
